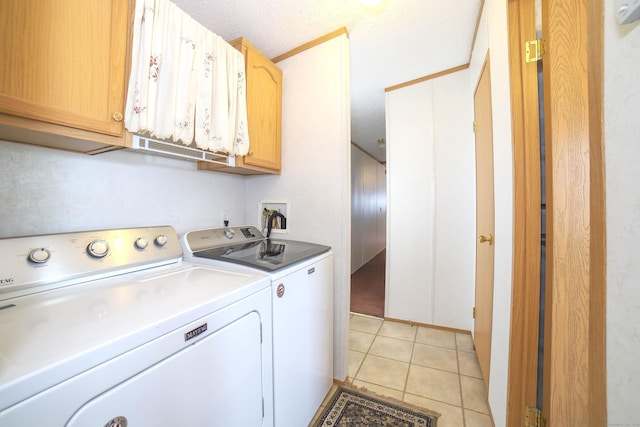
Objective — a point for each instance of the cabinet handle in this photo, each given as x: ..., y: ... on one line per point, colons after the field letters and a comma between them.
x: 250, y: 153
x: 117, y: 116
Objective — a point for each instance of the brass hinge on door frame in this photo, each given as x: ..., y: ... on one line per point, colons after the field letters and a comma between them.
x: 474, y: 127
x: 533, y: 50
x: 533, y: 417
x: 474, y: 312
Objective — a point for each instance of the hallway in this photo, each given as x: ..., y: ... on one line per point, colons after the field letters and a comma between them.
x: 434, y: 368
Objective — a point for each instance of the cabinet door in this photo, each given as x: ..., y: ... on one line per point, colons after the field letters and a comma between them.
x: 264, y: 110
x: 64, y: 61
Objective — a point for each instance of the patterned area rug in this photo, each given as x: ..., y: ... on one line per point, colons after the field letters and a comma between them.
x: 352, y: 408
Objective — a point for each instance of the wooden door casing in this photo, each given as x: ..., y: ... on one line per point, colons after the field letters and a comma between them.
x: 523, y: 357
x: 574, y: 383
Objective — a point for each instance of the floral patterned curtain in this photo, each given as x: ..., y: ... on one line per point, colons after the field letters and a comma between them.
x: 186, y: 84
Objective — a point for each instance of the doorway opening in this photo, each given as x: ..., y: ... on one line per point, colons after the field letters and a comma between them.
x: 368, y: 233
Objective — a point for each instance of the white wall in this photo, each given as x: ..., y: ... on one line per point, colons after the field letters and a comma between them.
x: 431, y: 175
x: 455, y: 219
x: 622, y: 155
x: 381, y: 218
x: 368, y: 208
x: 493, y: 36
x: 410, y: 208
x: 316, y: 167
x: 357, y: 202
x: 48, y: 191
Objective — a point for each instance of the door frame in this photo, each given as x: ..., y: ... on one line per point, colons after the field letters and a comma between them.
x: 523, y: 346
x: 574, y: 390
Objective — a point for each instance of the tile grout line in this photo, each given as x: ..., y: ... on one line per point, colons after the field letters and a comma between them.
x: 413, y: 347
x: 355, y: 374
x: 366, y: 353
x: 464, y: 418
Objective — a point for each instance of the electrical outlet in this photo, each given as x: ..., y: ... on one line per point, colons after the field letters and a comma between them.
x: 225, y: 218
x: 629, y: 12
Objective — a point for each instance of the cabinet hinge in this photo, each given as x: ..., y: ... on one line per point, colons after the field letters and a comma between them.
x: 474, y: 312
x: 533, y: 50
x: 533, y: 417
x: 474, y: 127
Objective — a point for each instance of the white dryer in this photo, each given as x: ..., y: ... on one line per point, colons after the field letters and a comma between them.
x: 302, y: 296
x: 111, y: 328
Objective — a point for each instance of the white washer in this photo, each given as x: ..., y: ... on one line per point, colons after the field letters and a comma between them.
x: 302, y: 296
x: 111, y: 328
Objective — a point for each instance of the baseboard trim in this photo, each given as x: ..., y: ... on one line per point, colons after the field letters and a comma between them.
x: 427, y: 325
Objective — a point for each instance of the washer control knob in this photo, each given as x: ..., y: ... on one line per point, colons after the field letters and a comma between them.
x: 142, y: 242
x: 39, y: 255
x: 228, y: 233
x: 98, y: 248
x: 161, y: 240
x: 117, y: 422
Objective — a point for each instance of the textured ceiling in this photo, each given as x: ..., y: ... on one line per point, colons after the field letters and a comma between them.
x: 398, y: 41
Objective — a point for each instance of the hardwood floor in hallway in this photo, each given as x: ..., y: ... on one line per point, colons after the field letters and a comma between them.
x: 367, y: 287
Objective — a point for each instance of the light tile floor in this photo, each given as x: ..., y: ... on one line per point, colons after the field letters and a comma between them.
x: 432, y: 368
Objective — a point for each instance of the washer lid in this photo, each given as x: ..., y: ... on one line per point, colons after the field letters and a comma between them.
x: 50, y: 336
x: 267, y: 255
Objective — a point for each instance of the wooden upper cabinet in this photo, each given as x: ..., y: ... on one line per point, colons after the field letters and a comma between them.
x: 264, y: 115
x: 264, y: 108
x: 64, y: 63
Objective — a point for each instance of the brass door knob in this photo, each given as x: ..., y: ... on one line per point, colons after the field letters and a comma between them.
x: 117, y: 116
x: 488, y: 238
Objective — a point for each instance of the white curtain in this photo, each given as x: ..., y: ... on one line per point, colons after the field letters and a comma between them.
x: 186, y: 84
